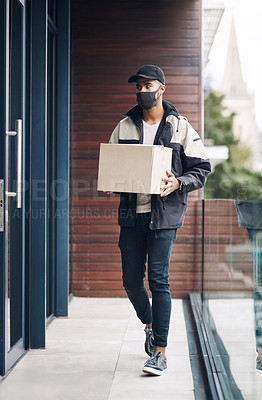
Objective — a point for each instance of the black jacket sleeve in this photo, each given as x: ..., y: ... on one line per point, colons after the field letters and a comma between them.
x: 196, y: 165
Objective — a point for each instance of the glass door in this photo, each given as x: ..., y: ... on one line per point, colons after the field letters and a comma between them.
x: 14, y: 174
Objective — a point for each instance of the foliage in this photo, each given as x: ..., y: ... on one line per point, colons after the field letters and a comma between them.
x: 233, y: 178
x: 217, y: 126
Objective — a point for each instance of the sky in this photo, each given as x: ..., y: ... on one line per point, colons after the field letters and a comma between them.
x: 248, y: 21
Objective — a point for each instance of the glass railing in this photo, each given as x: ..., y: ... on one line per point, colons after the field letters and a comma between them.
x: 232, y: 290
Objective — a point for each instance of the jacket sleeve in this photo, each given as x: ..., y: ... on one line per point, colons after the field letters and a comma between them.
x: 114, y: 139
x: 196, y: 165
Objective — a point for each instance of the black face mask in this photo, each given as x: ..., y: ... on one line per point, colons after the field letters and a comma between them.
x: 147, y: 100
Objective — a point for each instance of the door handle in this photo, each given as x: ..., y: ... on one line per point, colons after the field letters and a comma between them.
x: 18, y: 134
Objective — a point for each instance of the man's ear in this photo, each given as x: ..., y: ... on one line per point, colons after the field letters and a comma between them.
x: 163, y: 89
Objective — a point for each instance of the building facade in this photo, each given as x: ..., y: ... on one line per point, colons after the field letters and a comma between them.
x: 34, y: 172
x: 108, y: 45
x: 239, y: 100
x: 64, y: 69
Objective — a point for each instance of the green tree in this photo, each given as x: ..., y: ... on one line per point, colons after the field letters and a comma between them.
x: 234, y: 178
x: 218, y: 127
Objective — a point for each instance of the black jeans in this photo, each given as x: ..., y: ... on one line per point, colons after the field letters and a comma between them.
x: 136, y: 244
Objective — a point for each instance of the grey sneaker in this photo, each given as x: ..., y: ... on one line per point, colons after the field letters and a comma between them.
x: 155, y: 365
x: 259, y: 365
x: 149, y: 347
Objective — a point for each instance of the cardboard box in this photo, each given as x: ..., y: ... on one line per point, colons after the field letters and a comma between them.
x: 133, y: 168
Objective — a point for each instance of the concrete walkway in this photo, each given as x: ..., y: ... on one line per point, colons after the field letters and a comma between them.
x: 98, y: 354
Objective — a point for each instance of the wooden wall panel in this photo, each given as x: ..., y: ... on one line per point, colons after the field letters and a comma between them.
x: 110, y: 41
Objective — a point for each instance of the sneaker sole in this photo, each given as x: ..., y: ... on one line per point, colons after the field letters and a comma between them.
x: 153, y: 371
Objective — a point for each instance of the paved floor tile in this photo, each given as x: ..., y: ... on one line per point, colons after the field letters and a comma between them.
x: 29, y: 384
x: 74, y: 362
x: 97, y: 353
x: 140, y: 386
x: 80, y: 346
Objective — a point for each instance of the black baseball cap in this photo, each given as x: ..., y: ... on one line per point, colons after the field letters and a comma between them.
x: 150, y: 72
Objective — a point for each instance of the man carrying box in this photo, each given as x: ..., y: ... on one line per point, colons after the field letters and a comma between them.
x: 149, y: 222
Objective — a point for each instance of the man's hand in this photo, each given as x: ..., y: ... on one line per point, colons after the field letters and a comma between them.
x: 171, y: 184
